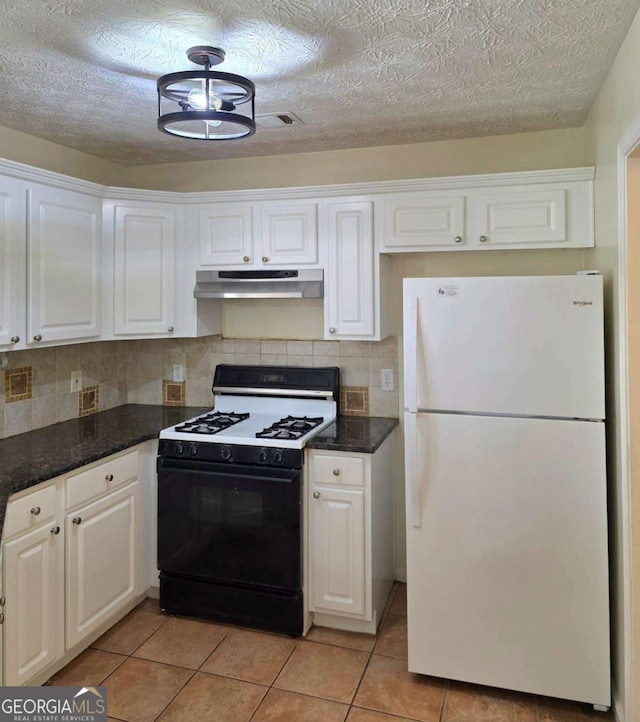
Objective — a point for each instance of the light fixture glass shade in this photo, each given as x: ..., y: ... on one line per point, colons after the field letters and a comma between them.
x: 206, y: 104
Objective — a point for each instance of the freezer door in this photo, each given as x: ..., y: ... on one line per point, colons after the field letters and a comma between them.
x: 507, y: 573
x: 530, y: 345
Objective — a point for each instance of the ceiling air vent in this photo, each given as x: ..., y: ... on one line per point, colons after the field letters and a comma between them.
x: 277, y: 120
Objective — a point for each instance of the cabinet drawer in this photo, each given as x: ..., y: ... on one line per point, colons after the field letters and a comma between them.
x: 102, y: 478
x: 338, y: 470
x: 30, y: 511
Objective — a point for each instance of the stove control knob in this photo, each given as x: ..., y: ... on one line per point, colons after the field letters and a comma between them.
x: 263, y: 455
x: 276, y: 457
x: 225, y: 452
x: 179, y: 449
x: 193, y: 449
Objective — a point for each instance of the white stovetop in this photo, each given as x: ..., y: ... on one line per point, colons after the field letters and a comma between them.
x: 264, y: 411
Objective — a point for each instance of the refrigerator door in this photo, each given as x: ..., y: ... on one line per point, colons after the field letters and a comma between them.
x: 507, y: 576
x: 529, y: 345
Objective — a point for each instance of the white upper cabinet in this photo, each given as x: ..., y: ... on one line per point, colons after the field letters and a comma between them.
x: 524, y: 216
x: 63, y: 241
x: 289, y: 233
x: 143, y: 266
x: 418, y: 221
x: 523, y: 212
x: 13, y: 260
x: 349, y: 284
x: 258, y: 235
x: 226, y: 234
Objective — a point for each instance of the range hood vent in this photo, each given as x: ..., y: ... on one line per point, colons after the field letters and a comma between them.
x: 260, y: 284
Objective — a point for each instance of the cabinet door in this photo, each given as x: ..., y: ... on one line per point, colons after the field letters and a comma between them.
x: 144, y: 248
x: 422, y: 221
x: 518, y: 217
x: 349, y: 297
x: 101, y: 561
x: 289, y: 234
x: 64, y: 265
x: 13, y: 255
x: 33, y: 590
x: 337, y: 550
x: 226, y: 234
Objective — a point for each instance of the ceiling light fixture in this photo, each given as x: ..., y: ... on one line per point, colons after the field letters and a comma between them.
x: 208, y: 100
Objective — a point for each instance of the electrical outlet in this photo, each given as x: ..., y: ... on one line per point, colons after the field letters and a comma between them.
x: 386, y: 380
x: 76, y: 381
x: 178, y: 373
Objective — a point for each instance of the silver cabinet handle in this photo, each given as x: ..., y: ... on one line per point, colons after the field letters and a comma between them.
x: 3, y: 600
x: 170, y: 329
x: 77, y: 520
x: 483, y: 239
x: 336, y: 472
x: 332, y: 330
x: 55, y: 530
x: 246, y: 259
x: 109, y: 477
x: 37, y: 337
x: 265, y: 259
x: 458, y: 239
x: 35, y: 510
x: 15, y: 339
x: 316, y: 494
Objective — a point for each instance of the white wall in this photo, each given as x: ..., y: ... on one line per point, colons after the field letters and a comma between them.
x: 490, y: 154
x: 616, y: 109
x: 41, y: 153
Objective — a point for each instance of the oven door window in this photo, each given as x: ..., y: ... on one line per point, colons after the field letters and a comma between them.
x: 230, y: 523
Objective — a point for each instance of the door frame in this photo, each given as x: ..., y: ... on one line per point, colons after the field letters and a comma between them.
x: 628, y: 143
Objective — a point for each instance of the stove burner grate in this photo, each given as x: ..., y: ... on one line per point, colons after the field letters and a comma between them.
x: 290, y: 427
x: 211, y: 423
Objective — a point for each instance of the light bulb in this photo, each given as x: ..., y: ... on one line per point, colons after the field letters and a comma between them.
x: 197, y: 99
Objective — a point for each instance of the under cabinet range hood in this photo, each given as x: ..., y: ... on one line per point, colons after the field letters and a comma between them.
x: 260, y: 284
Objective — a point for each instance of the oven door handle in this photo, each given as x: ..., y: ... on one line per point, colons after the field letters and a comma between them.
x: 237, y: 471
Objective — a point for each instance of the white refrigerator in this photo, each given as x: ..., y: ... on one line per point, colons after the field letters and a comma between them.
x: 507, y: 561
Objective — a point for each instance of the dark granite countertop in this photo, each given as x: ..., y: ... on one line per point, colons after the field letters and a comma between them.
x: 359, y: 434
x: 31, y: 458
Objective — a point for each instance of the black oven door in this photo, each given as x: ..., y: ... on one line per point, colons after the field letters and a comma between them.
x: 229, y: 523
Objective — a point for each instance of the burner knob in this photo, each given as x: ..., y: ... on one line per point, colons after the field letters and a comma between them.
x: 263, y: 455
x: 193, y: 449
x: 277, y: 456
x: 225, y: 452
x: 179, y: 448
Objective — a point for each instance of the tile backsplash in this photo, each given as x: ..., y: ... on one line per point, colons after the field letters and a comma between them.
x: 35, y: 389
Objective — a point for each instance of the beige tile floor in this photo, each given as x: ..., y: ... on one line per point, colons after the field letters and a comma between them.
x: 174, y: 669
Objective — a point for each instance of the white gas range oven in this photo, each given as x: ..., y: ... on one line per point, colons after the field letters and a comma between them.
x: 230, y: 486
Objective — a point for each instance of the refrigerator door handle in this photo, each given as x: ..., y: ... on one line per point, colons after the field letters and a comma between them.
x: 411, y: 354
x: 411, y: 470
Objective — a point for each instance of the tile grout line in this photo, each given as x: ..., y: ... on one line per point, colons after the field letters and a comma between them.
x: 164, y: 709
x: 444, y: 701
x: 275, y: 679
x: 193, y: 674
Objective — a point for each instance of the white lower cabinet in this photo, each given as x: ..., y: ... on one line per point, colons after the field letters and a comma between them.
x: 351, y: 536
x: 33, y: 610
x: 102, y: 551
x: 71, y: 564
x: 338, y: 550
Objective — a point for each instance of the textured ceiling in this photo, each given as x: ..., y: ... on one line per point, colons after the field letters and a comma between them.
x: 83, y: 73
